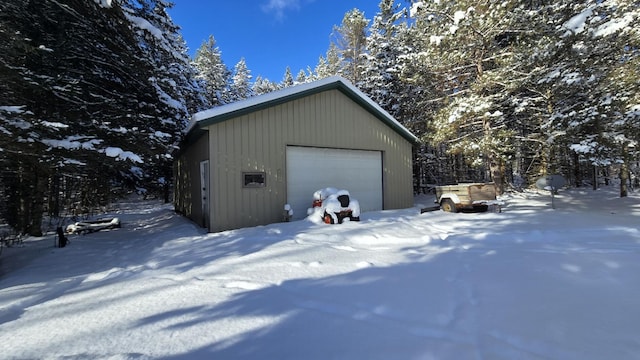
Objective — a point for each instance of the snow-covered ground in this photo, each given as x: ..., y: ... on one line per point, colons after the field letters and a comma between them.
x: 528, y: 283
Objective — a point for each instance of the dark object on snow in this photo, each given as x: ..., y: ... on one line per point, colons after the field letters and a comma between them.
x: 345, y: 210
x: 430, y: 208
x: 344, y: 200
x: 62, y: 239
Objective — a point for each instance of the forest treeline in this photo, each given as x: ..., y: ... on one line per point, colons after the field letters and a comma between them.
x: 96, y: 94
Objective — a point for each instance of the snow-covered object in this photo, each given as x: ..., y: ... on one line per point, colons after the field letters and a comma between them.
x: 332, y: 206
x: 93, y: 226
x: 324, y: 193
x: 287, y: 213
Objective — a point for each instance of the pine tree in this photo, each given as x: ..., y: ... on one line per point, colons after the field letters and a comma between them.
x: 213, y: 73
x: 241, y: 81
x: 506, y: 91
x: 330, y: 64
x: 69, y: 84
x: 381, y: 68
x: 570, y: 93
x: 85, y: 84
x: 287, y: 79
x: 263, y: 86
x: 301, y: 78
x: 467, y: 48
x: 350, y: 41
x: 626, y: 77
x: 603, y: 36
x: 172, y: 81
x: 385, y: 68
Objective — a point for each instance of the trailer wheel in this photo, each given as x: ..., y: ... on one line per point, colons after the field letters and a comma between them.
x: 448, y: 206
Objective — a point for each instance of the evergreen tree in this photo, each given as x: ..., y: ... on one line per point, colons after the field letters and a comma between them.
x: 568, y: 92
x: 350, y: 41
x: 604, y: 40
x: 466, y: 47
x: 505, y: 91
x: 84, y: 83
x: 330, y: 64
x: 382, y: 65
x: 69, y: 84
x: 172, y: 80
x: 301, y: 78
x: 241, y: 81
x: 213, y: 73
x: 287, y: 79
x: 263, y: 86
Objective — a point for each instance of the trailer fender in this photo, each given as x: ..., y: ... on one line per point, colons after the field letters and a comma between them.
x: 452, y: 196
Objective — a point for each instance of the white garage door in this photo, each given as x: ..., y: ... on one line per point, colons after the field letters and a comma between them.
x: 310, y: 169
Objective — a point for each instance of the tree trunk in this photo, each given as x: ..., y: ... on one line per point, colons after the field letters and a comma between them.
x: 25, y: 202
x: 624, y: 171
x: 495, y: 163
x: 54, y: 196
x: 576, y: 170
x: 37, y: 205
x: 34, y: 201
x: 496, y: 169
x: 166, y: 190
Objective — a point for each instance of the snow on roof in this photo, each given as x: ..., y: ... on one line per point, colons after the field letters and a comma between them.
x: 257, y: 102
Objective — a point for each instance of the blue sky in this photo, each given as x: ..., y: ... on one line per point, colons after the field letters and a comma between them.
x: 269, y: 34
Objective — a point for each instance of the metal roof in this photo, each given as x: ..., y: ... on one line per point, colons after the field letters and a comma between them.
x: 219, y: 114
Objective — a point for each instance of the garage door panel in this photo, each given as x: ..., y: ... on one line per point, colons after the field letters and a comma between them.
x: 310, y: 169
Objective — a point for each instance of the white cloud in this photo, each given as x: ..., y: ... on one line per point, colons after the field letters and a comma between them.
x: 279, y: 7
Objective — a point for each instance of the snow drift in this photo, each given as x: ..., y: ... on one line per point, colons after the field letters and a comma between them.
x: 528, y: 283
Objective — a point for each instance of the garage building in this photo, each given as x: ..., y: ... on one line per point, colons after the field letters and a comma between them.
x: 241, y: 163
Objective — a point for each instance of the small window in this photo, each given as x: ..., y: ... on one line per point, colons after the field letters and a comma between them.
x: 253, y: 179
